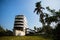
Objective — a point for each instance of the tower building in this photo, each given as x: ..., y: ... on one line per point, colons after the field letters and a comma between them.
x: 20, y: 25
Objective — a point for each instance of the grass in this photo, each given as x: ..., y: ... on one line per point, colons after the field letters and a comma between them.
x: 23, y: 38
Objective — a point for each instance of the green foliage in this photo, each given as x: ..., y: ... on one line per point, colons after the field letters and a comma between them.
x: 9, y: 32
x: 52, y: 11
x: 39, y: 30
x: 48, y: 31
x: 39, y: 12
x: 51, y: 19
x: 38, y: 8
x: 44, y: 18
x: 54, y: 18
x: 4, y: 32
x: 57, y: 32
x: 35, y: 28
x: 1, y: 29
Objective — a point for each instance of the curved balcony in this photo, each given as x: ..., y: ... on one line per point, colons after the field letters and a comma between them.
x: 19, y: 23
x: 18, y: 26
x: 19, y: 20
x: 19, y: 16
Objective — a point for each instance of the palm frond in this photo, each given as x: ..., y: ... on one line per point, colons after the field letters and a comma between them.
x: 35, y: 9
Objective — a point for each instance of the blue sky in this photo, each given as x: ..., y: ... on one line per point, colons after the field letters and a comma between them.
x: 10, y: 8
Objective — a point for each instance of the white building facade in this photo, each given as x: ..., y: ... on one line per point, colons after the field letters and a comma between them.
x: 20, y: 25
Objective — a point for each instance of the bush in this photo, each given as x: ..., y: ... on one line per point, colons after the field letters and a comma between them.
x: 57, y: 32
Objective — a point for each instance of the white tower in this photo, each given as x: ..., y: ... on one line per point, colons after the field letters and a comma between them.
x: 20, y: 25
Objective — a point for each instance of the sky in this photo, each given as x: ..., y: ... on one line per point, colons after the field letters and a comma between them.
x: 10, y: 8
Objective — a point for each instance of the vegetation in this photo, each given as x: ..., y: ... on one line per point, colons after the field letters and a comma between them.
x: 46, y: 19
x: 39, y: 12
x: 55, y: 18
x: 43, y: 18
x: 23, y: 38
x: 57, y: 32
x: 4, y: 32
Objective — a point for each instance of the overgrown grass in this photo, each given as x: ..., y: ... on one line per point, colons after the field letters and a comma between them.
x: 23, y: 38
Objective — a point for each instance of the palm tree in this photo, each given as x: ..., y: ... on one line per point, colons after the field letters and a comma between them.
x: 39, y: 12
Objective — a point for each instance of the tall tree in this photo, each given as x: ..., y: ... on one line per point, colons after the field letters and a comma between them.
x: 39, y: 12
x: 44, y: 17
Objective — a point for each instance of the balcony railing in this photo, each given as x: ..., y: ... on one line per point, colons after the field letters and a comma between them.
x: 18, y: 26
x: 19, y: 20
x: 19, y: 16
x: 19, y: 23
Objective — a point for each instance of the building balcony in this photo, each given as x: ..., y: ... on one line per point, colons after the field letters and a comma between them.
x: 18, y: 28
x: 19, y: 20
x: 19, y: 16
x: 18, y: 25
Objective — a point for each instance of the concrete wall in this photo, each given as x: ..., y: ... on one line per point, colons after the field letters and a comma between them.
x: 19, y: 33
